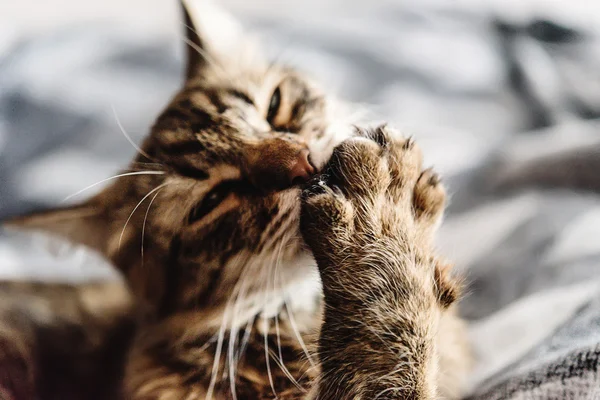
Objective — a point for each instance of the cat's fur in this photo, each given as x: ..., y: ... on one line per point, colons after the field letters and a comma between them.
x: 214, y: 245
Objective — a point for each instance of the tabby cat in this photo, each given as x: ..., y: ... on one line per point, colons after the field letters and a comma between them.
x: 269, y: 251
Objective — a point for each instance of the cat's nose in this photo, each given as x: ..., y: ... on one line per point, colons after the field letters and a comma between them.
x: 277, y: 164
x: 301, y: 169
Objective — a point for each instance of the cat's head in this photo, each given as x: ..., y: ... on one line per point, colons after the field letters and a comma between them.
x: 213, y: 207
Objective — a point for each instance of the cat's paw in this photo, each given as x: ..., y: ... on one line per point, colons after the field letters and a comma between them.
x: 373, y: 199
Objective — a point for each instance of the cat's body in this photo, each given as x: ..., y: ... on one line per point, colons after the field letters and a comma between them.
x: 213, y: 237
x: 65, y: 346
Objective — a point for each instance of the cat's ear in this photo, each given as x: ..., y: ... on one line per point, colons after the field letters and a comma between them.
x: 212, y: 35
x: 195, y: 52
x: 86, y: 224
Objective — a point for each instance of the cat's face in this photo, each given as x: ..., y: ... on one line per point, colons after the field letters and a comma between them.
x: 218, y: 215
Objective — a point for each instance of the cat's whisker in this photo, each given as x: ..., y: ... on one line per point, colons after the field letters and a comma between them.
x: 267, y: 355
x: 296, y: 331
x: 286, y: 372
x: 111, y: 178
x: 137, y: 206
x: 217, y: 357
x: 293, y: 323
x: 245, y: 339
x: 233, y: 332
x: 221, y: 334
x: 278, y: 358
x: 230, y: 358
x: 144, y: 225
x: 281, y: 363
x: 277, y: 261
x: 147, y: 164
x: 232, y: 363
x: 135, y: 146
x: 266, y: 327
x: 389, y: 390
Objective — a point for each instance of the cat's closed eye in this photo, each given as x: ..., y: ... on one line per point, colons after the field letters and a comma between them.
x: 274, y: 106
x: 210, y: 202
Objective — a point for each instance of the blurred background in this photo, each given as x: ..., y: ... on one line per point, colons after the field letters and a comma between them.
x: 503, y: 95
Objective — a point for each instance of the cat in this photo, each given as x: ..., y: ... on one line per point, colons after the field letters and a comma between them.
x: 270, y: 250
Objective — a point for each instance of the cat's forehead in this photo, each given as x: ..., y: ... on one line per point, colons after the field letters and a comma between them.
x: 257, y: 81
x: 250, y: 75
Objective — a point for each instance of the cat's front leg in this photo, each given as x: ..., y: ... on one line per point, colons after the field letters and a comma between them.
x: 369, y: 220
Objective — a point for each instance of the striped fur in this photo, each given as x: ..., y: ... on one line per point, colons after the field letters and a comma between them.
x: 213, y: 246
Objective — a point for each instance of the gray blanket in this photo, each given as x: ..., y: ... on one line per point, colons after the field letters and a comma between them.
x: 505, y: 104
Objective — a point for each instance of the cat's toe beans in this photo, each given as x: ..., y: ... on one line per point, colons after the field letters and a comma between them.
x: 429, y: 197
x: 326, y: 207
x: 380, y: 135
x: 357, y: 167
x: 405, y: 164
x: 447, y: 286
x: 325, y: 211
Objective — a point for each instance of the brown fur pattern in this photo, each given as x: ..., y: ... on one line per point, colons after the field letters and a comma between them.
x: 57, y: 340
x: 212, y: 233
x: 369, y: 221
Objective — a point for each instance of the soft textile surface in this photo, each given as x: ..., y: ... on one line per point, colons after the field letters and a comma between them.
x: 486, y: 93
